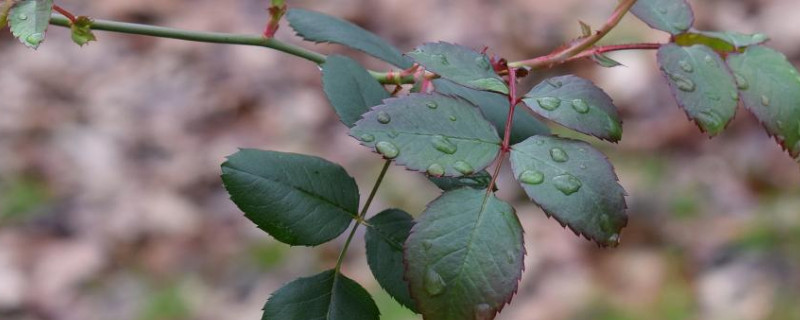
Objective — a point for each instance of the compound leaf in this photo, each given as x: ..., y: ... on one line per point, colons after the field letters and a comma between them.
x: 673, y: 16
x: 387, y: 232
x: 479, y: 180
x: 433, y: 133
x: 460, y: 65
x: 350, y: 88
x: 770, y: 88
x: 495, y: 108
x: 574, y: 183
x: 318, y: 27
x: 298, y: 199
x: 464, y: 256
x: 726, y: 41
x: 29, y: 20
x: 325, y: 296
x: 578, y: 104
x: 701, y: 84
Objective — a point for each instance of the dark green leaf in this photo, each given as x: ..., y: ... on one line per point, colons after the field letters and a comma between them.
x: 298, y: 199
x: 350, y: 88
x: 82, y: 31
x: 29, y: 20
x: 318, y: 27
x: 578, y: 104
x: 478, y: 181
x: 770, y: 88
x: 325, y: 296
x: 495, y: 108
x: 574, y: 183
x: 604, y: 61
x: 720, y: 41
x: 464, y: 256
x: 701, y: 84
x: 387, y: 232
x: 460, y: 65
x: 673, y: 16
x: 433, y: 133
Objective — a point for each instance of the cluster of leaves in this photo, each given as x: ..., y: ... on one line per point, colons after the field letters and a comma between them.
x: 462, y: 257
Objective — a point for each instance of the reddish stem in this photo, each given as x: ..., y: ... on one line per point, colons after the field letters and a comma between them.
x: 275, y: 13
x: 548, y: 61
x: 513, y: 100
x: 65, y: 13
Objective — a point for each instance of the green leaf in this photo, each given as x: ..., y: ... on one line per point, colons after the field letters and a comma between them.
x: 433, y: 133
x: 701, y: 84
x: 350, y: 88
x: 460, y: 65
x: 479, y: 180
x: 578, y: 104
x: 318, y: 27
x: 29, y: 20
x: 769, y: 86
x: 495, y: 108
x: 574, y: 183
x: 727, y: 41
x: 325, y: 296
x: 464, y: 256
x: 82, y: 31
x: 298, y: 199
x: 604, y: 61
x: 387, y: 232
x: 673, y: 16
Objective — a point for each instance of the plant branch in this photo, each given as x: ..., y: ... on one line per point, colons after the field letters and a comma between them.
x: 577, y: 47
x: 361, y: 215
x: 513, y: 100
x: 64, y: 12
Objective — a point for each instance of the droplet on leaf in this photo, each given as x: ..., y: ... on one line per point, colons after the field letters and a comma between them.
x: 22, y: 16
x: 484, y: 311
x: 710, y: 61
x: 567, y: 184
x: 554, y: 83
x: 433, y: 282
x: 533, y: 177
x: 683, y: 83
x: 741, y: 83
x: 765, y: 101
x: 580, y: 106
x: 35, y: 39
x: 443, y: 144
x: 432, y: 105
x: 453, y: 118
x: 686, y: 66
x: 387, y: 149
x: 613, y: 240
x: 558, y: 155
x: 384, y: 117
x: 436, y: 170
x: 709, y: 119
x: 463, y: 167
x: 367, y: 137
x: 549, y: 103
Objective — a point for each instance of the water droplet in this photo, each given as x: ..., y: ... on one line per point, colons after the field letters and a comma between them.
x: 662, y: 10
x: 393, y: 134
x: 483, y: 63
x: 613, y: 240
x: 734, y: 95
x: 484, y: 311
x: 583, y: 166
x: 713, y: 96
x: 554, y: 83
x: 741, y: 83
x: 384, y: 117
x: 549, y: 103
x: 683, y: 83
x: 765, y: 101
x: 580, y: 106
x: 709, y: 120
x: 710, y: 61
x: 427, y: 244
x: 367, y: 137
x: 531, y: 177
x: 387, y: 149
x: 686, y: 66
x: 567, y: 184
x: 35, y: 38
x: 22, y: 16
x: 433, y: 282
x: 432, y: 105
x: 463, y: 167
x: 510, y: 256
x: 443, y: 144
x: 559, y: 155
x: 436, y: 170
x: 453, y: 118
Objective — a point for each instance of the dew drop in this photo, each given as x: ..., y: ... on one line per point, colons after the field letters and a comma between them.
x: 765, y: 101
x: 567, y: 184
x: 734, y: 95
x: 554, y: 83
x: 549, y: 103
x: 533, y: 177
x: 432, y: 105
x: 443, y: 144
x: 453, y: 118
x: 367, y: 137
x: 686, y: 66
x: 387, y: 149
x: 580, y: 106
x: 558, y: 155
x: 463, y: 167
x: 583, y: 166
x: 741, y: 83
x: 613, y: 240
x: 35, y: 38
x: 510, y: 256
x: 709, y: 120
x: 384, y: 117
x: 710, y: 61
x: 683, y: 83
x: 22, y: 16
x: 435, y: 170
x: 433, y: 282
x: 484, y: 311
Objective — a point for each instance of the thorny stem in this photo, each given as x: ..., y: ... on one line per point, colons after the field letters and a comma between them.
x: 361, y: 215
x: 513, y: 100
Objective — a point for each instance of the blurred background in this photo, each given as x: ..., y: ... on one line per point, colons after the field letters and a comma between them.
x: 111, y: 205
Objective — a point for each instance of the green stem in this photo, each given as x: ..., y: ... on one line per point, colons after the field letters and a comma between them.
x: 211, y: 37
x: 362, y: 214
